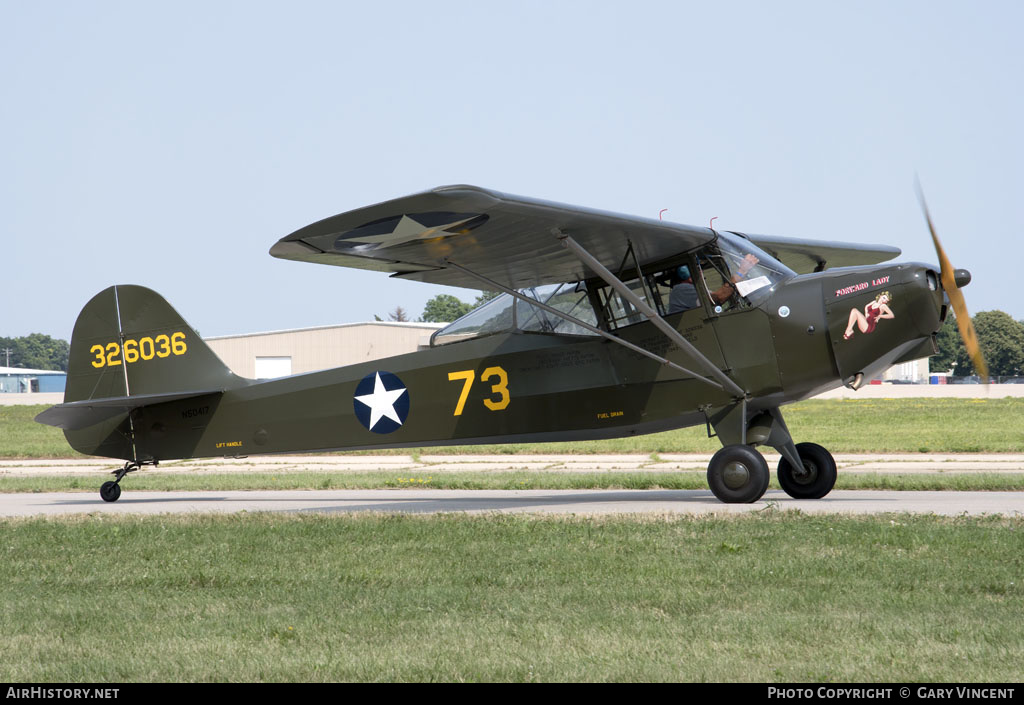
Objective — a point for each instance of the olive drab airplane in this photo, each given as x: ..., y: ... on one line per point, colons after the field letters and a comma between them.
x: 607, y: 325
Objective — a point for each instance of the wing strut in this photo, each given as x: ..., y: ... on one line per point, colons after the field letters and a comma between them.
x: 652, y: 315
x: 495, y: 286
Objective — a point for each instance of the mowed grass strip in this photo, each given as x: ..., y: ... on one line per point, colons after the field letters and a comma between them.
x: 531, y: 480
x: 776, y: 597
x: 842, y: 426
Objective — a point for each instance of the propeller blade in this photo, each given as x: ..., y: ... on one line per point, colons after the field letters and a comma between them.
x: 956, y: 298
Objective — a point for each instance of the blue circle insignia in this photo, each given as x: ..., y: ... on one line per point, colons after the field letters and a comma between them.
x: 381, y: 402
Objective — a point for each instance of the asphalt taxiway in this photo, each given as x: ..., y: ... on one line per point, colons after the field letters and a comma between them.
x: 510, y: 501
x: 425, y: 500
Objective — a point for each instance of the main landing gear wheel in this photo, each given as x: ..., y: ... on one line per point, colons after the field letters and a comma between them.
x: 738, y: 474
x: 815, y: 479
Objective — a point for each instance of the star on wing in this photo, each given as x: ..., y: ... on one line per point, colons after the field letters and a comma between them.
x: 381, y: 402
x: 407, y: 230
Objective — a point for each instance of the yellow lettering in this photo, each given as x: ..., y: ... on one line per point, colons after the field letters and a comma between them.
x: 178, y: 343
x: 134, y: 350
x: 131, y: 351
x: 113, y: 350
x: 501, y: 388
x: 468, y: 376
x: 165, y: 346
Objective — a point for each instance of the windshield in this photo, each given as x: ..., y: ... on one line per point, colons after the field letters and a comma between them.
x: 754, y: 271
x: 505, y: 313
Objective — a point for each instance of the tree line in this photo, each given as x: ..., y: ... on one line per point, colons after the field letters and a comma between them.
x: 34, y: 352
x: 443, y: 308
x: 1001, y: 339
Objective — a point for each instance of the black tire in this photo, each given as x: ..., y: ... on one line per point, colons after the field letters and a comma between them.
x: 738, y: 474
x: 818, y: 478
x: 110, y: 491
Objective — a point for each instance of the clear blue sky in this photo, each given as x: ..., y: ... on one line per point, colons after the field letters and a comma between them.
x: 171, y: 144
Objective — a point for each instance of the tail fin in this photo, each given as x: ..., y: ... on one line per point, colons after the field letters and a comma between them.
x: 130, y: 349
x: 128, y: 341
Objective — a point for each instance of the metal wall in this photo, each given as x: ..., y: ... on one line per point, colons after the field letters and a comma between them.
x: 14, y: 380
x: 322, y: 348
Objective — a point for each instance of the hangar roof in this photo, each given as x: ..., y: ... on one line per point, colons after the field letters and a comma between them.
x: 25, y: 371
x: 397, y: 324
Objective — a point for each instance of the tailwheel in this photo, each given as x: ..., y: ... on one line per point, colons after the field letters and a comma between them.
x: 738, y: 474
x: 815, y: 479
x: 111, y: 491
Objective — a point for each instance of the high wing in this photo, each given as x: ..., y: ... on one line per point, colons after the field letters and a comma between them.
x: 803, y: 256
x: 510, y: 239
x: 514, y: 240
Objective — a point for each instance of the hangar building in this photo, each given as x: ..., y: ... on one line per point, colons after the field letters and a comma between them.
x: 291, y: 352
x: 18, y: 380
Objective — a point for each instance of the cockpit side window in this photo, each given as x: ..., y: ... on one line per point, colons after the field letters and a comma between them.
x: 619, y: 312
x: 506, y: 313
x: 729, y: 274
x: 570, y: 298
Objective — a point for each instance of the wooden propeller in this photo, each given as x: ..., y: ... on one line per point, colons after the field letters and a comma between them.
x: 956, y: 298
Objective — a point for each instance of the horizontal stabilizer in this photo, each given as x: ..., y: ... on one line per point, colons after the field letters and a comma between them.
x: 81, y: 414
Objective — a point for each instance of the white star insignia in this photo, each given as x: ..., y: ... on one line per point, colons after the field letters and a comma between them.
x: 407, y: 230
x: 381, y: 402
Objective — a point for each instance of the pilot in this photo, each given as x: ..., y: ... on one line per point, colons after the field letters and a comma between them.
x: 684, y: 292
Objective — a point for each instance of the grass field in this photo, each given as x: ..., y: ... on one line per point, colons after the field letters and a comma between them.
x: 778, y: 597
x: 775, y: 597
x: 842, y: 426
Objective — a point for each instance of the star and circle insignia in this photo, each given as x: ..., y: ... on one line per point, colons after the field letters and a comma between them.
x: 381, y: 402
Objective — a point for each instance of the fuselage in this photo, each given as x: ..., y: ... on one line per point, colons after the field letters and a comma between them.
x: 525, y: 386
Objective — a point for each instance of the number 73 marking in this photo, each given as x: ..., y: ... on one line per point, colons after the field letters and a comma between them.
x: 500, y: 388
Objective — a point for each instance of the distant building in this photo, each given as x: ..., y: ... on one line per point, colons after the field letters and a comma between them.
x: 290, y: 352
x: 17, y: 380
x: 913, y: 372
